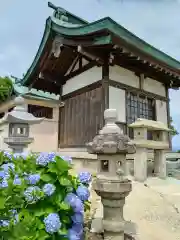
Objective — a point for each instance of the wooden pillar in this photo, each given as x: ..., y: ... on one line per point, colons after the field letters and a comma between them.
x: 59, y: 118
x: 168, y: 116
x: 105, y: 83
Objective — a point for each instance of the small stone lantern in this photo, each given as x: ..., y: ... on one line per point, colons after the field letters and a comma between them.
x: 19, y: 123
x: 111, y: 183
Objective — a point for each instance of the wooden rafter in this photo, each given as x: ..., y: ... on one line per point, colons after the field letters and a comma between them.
x: 84, y: 52
x: 136, y: 56
x: 71, y: 69
x: 81, y: 70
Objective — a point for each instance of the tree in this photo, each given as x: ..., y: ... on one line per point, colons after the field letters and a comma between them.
x: 174, y: 130
x: 6, y: 87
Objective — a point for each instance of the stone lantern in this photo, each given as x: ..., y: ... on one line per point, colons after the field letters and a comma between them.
x: 111, y: 183
x: 19, y: 121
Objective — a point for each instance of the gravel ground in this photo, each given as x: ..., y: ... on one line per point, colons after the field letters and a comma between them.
x: 155, y: 215
x: 154, y: 207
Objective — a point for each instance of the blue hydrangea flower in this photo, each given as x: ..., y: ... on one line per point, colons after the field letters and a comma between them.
x: 16, y: 218
x: 44, y: 158
x: 52, y: 155
x: 52, y: 223
x: 4, y: 223
x: 21, y: 155
x: 3, y: 175
x: 49, y: 189
x: 32, y: 194
x: 76, y: 232
x: 33, y: 178
x: 78, y: 228
x: 4, y: 184
x: 78, y: 218
x: 8, y: 155
x: 83, y: 193
x: 85, y: 177
x: 7, y: 167
x: 13, y: 212
x: 74, y: 202
x: 72, y: 235
x: 15, y: 215
x: 67, y: 159
x: 17, y: 180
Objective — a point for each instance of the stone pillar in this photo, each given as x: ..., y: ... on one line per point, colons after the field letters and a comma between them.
x: 140, y: 164
x: 111, y: 184
x: 160, y: 163
x: 19, y: 121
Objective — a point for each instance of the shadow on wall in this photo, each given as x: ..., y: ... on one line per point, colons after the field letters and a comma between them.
x: 45, y: 136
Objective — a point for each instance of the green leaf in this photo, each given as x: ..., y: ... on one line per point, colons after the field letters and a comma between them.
x: 64, y: 206
x: 62, y: 165
x: 42, y: 235
x: 47, y: 178
x: 2, y: 202
x: 5, y: 88
x: 65, y: 219
x: 49, y: 210
x: 87, y: 205
x: 62, y: 231
x: 64, y: 181
x: 52, y: 168
x: 39, y: 212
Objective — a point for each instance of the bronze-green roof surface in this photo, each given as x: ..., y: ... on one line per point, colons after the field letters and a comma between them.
x: 85, y: 29
x: 22, y: 90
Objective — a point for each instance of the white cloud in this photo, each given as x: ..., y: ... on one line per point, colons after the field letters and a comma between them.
x: 22, y: 24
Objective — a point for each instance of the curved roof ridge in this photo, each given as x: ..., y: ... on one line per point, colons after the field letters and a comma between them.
x: 105, y: 23
x: 125, y: 29
x: 122, y: 32
x: 142, y: 40
x: 39, y: 51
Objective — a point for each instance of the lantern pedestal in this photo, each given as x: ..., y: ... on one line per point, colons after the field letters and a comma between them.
x: 113, y: 194
x: 111, y: 183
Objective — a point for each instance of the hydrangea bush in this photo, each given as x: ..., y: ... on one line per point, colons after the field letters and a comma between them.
x: 40, y: 199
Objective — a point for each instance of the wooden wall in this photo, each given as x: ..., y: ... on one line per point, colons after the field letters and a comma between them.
x: 81, y: 118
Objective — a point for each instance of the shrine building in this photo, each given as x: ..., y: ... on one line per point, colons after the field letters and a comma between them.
x: 81, y: 69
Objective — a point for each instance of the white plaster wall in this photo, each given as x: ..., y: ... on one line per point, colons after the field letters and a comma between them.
x: 118, y: 102
x: 153, y: 86
x: 84, y: 79
x: 45, y: 134
x: 161, y: 111
x: 123, y: 75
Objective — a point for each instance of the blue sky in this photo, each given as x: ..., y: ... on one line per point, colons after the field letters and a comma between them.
x: 22, y: 25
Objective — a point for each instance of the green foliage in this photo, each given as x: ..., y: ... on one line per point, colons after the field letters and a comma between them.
x: 30, y: 223
x: 6, y: 87
x: 174, y: 132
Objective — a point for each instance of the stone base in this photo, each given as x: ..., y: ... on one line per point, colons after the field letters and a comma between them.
x: 97, y: 236
x: 97, y: 224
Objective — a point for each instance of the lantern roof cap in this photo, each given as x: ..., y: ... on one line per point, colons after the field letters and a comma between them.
x: 111, y: 139
x: 20, y: 115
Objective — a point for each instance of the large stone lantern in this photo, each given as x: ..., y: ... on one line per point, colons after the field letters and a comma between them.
x: 19, y: 121
x: 111, y: 183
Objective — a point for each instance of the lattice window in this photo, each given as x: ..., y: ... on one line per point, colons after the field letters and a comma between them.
x: 139, y: 107
x: 40, y: 111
